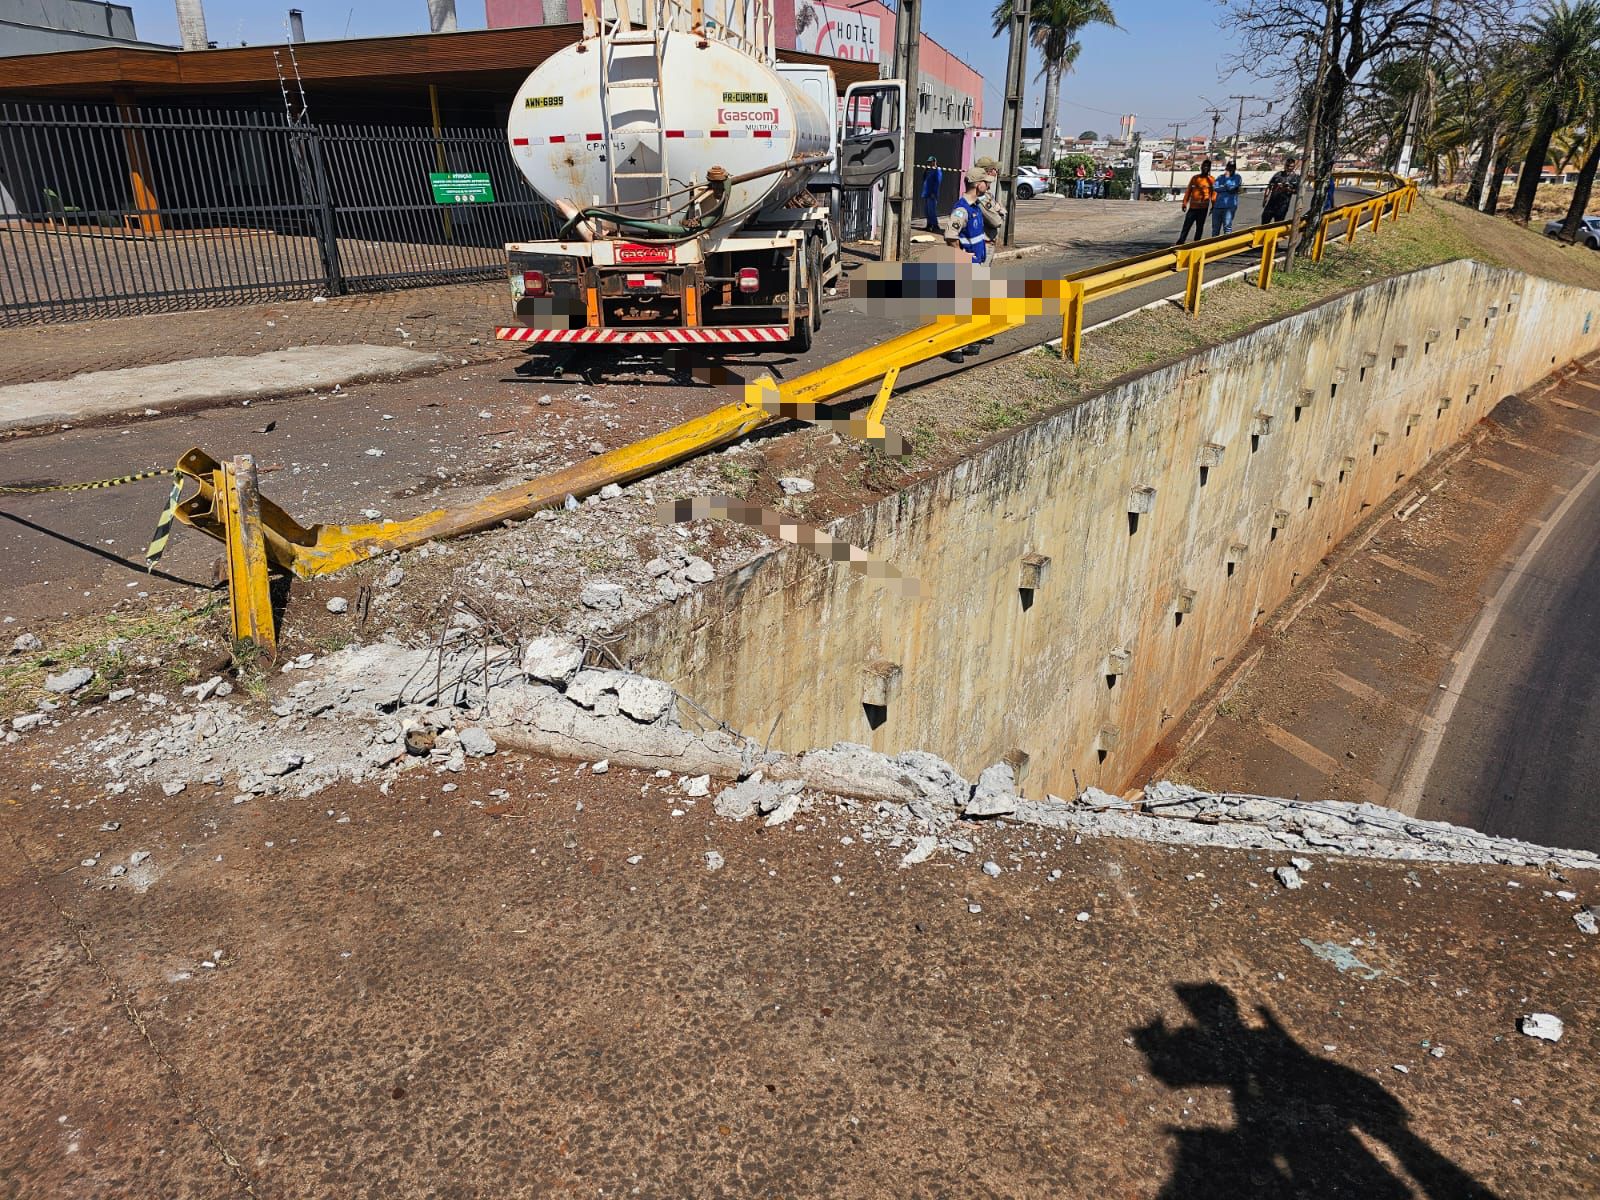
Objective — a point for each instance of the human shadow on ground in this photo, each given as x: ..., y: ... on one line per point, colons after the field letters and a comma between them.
x: 1296, y: 1116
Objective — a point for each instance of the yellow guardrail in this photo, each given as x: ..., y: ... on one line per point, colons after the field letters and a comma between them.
x: 257, y: 532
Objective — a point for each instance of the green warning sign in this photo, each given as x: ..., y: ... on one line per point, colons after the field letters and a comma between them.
x: 467, y: 187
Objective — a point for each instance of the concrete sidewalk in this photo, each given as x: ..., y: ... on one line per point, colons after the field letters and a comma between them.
x: 165, y: 388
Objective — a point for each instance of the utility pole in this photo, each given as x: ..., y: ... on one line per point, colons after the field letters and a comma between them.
x: 1415, y: 113
x: 1238, y: 125
x: 901, y: 189
x: 1172, y: 163
x: 1136, y: 192
x: 1011, y: 123
x: 1216, y: 119
x: 1312, y: 119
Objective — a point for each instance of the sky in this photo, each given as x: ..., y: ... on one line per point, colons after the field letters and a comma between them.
x: 1166, y: 63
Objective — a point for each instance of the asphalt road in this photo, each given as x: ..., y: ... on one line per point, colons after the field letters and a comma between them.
x: 1522, y: 745
x: 77, y: 553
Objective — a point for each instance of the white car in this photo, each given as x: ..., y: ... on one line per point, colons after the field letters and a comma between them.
x: 1031, y: 181
x: 1588, y: 231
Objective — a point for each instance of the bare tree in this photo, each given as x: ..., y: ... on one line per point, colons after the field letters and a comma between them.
x: 1281, y: 40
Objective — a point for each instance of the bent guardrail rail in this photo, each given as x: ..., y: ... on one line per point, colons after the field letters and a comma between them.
x: 258, y: 534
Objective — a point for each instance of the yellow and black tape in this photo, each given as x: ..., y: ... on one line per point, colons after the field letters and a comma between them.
x: 163, y: 533
x: 37, y: 489
x: 158, y: 540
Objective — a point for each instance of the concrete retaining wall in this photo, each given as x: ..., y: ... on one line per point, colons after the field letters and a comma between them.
x: 1158, y: 521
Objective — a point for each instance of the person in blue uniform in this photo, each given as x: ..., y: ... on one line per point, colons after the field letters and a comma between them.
x: 965, y: 229
x: 931, y: 180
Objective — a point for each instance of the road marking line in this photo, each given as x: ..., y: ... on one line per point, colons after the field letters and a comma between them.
x: 1373, y: 696
x: 1408, y: 796
x: 1303, y: 750
x: 1576, y: 432
x: 1583, y: 408
x: 1393, y: 628
x: 1553, y: 454
x: 1394, y: 564
x: 1502, y: 468
x: 1317, y: 760
x: 1593, y: 387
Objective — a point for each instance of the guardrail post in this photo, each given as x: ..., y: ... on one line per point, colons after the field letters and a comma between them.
x: 1269, y: 255
x: 1071, y: 320
x: 1377, y: 213
x: 1321, y: 241
x: 249, y: 589
x: 1351, y: 225
x: 1195, y: 261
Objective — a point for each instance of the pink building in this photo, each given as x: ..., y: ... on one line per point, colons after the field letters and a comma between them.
x: 950, y: 93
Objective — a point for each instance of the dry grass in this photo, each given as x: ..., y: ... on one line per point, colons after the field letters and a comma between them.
x: 949, y: 418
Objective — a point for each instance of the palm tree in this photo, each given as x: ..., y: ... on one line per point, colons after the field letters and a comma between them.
x: 1562, y: 61
x: 1055, y: 25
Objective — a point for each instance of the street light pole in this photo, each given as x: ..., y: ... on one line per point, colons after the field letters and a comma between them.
x: 1011, y: 123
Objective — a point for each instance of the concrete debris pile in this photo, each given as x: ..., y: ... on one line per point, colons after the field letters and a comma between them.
x: 1172, y: 813
x: 599, y: 563
x: 367, y: 710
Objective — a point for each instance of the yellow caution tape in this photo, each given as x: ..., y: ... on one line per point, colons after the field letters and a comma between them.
x: 158, y: 540
x: 82, y: 487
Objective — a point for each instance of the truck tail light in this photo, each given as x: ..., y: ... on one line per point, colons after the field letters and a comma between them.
x: 534, y: 283
x: 749, y: 280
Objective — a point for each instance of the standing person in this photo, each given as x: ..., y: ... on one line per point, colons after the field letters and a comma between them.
x: 964, y: 228
x: 1080, y: 181
x: 931, y: 182
x: 1197, y: 198
x: 1280, y: 191
x: 1227, y: 201
x: 994, y: 213
x: 1105, y: 183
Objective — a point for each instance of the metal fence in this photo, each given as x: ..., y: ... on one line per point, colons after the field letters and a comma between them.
x: 115, y: 210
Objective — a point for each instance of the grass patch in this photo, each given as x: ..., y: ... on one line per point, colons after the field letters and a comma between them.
x: 737, y: 476
x: 172, y: 644
x: 953, y: 415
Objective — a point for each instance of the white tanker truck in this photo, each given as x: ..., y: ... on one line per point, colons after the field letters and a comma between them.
x: 698, y: 179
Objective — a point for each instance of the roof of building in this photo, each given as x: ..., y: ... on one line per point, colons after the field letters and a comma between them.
x: 479, y: 60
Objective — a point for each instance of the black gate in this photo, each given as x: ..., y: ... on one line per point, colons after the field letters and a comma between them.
x: 115, y: 210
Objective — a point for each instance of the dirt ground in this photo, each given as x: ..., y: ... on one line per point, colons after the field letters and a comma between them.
x: 533, y: 985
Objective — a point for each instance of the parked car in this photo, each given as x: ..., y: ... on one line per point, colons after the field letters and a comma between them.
x: 1588, y: 231
x: 1030, y: 182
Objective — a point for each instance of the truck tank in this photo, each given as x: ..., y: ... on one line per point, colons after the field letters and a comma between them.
x: 617, y: 122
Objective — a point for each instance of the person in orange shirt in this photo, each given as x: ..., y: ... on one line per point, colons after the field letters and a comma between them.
x: 1197, y: 198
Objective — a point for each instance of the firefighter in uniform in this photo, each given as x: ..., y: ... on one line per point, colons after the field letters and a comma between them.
x: 965, y: 228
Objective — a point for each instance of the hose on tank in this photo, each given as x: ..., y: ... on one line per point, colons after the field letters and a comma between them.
x: 679, y: 232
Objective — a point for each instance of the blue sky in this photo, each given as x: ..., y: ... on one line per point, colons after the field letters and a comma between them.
x: 1163, y: 64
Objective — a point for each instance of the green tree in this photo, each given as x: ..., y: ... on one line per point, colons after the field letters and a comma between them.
x: 1088, y: 135
x: 1054, y: 28
x: 1561, y: 61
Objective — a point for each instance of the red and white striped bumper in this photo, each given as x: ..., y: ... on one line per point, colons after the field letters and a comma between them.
x: 737, y: 335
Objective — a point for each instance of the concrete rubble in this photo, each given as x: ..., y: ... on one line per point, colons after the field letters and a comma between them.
x: 367, y: 710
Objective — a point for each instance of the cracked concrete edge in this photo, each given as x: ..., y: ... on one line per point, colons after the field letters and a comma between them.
x: 38, y: 423
x: 543, y: 721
